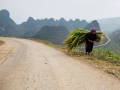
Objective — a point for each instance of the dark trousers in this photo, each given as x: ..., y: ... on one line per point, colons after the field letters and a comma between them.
x: 89, y: 47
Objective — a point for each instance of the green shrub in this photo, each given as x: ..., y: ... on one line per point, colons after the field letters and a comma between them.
x: 106, y: 54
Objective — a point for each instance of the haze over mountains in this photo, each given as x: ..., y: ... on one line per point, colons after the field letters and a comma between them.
x: 7, y: 25
x: 109, y: 24
x: 114, y: 43
x: 55, y: 31
x: 33, y: 28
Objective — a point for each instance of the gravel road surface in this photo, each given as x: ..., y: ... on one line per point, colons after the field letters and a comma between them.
x: 29, y: 65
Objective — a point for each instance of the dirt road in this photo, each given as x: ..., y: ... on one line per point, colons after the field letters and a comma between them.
x: 28, y: 65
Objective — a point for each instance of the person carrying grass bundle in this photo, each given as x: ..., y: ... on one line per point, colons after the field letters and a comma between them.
x: 78, y: 37
x: 90, y: 38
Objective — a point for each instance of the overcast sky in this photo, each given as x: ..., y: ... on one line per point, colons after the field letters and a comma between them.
x: 21, y: 10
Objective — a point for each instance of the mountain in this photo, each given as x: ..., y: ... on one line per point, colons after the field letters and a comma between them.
x: 109, y: 24
x: 114, y: 43
x: 93, y: 24
x: 51, y: 30
x: 54, y: 34
x: 7, y: 25
x: 57, y: 34
x: 55, y: 31
x: 31, y: 26
x: 72, y: 24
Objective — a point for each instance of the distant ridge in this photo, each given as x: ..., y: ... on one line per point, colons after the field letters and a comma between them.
x: 51, y: 30
x: 109, y: 24
x: 53, y: 34
x: 7, y: 25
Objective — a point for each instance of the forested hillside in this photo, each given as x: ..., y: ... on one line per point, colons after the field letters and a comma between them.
x: 7, y: 25
x: 114, y: 43
x: 53, y: 34
x: 31, y: 26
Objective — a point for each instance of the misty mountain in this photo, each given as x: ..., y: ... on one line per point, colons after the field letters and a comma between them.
x: 109, y: 24
x: 55, y: 31
x: 31, y: 26
x: 7, y: 25
x: 57, y: 34
x: 114, y: 43
x: 53, y: 34
x: 93, y: 24
x: 51, y: 30
x: 72, y: 24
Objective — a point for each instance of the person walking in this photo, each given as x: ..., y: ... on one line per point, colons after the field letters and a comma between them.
x: 90, y: 39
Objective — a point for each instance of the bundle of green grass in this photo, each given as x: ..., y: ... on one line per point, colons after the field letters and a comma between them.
x: 77, y: 37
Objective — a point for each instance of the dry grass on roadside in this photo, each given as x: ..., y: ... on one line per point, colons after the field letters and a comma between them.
x: 1, y: 42
x: 104, y: 65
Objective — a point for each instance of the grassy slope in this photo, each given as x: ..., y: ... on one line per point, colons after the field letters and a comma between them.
x: 109, y: 66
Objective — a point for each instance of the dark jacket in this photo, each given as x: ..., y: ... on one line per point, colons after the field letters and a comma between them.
x: 90, y: 36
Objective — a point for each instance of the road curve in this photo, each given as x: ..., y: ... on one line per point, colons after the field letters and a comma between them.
x: 104, y: 43
x: 28, y: 65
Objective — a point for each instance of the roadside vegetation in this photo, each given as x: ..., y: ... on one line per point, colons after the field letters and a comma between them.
x: 104, y: 59
x: 77, y: 37
x: 100, y: 58
x: 1, y: 42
